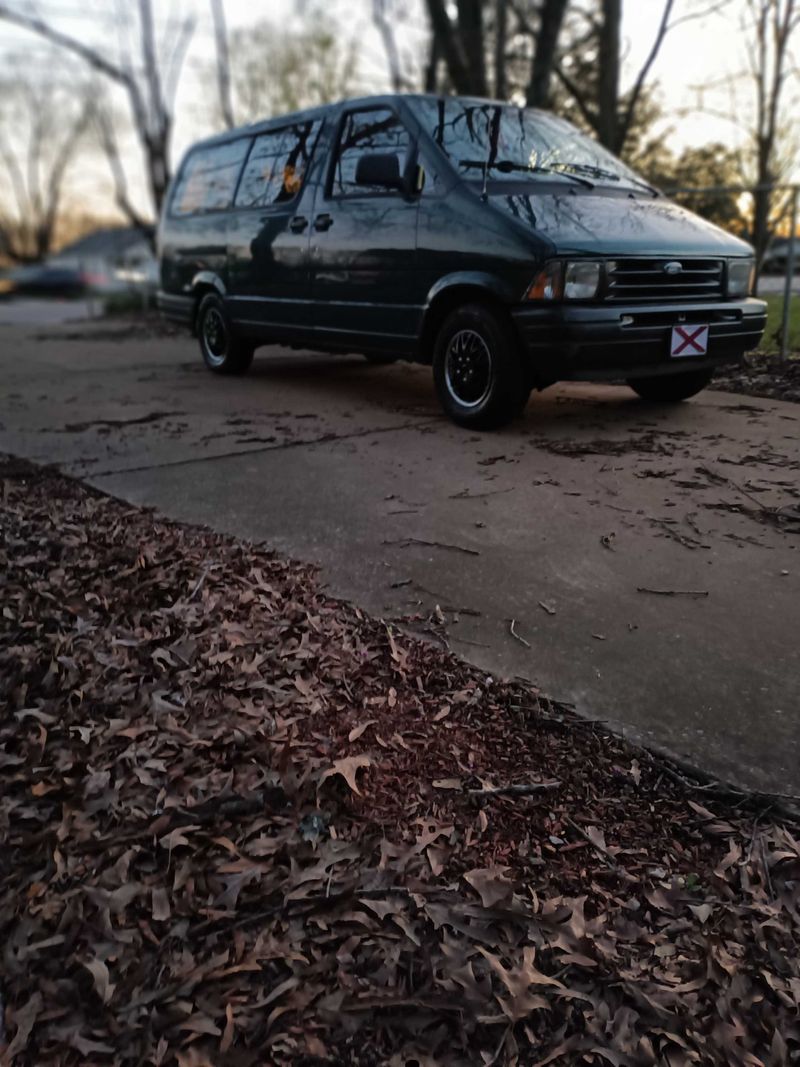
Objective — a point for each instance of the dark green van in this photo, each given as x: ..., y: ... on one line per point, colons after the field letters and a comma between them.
x: 498, y: 244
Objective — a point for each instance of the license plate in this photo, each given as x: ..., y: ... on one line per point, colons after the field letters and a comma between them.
x: 688, y: 341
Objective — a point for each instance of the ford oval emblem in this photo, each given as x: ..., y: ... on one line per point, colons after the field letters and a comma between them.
x: 673, y: 267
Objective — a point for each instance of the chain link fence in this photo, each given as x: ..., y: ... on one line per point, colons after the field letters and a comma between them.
x: 734, y: 208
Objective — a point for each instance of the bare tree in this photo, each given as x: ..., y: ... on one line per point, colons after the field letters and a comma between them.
x: 769, y: 24
x: 41, y: 128
x: 278, y: 71
x: 385, y: 16
x: 223, y: 62
x: 551, y: 19
x: 590, y: 65
x: 106, y: 125
x: 501, y: 49
x: 461, y: 44
x: 150, y: 91
x: 464, y: 42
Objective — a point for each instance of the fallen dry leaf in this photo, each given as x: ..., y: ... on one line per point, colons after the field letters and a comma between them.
x: 491, y: 883
x: 348, y: 768
x: 175, y: 888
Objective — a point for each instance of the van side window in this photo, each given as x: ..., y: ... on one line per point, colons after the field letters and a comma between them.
x: 363, y: 132
x: 209, y: 178
x: 277, y: 165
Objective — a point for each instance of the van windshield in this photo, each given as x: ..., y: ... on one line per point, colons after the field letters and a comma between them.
x: 509, y: 141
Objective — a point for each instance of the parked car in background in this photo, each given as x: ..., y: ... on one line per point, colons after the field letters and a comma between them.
x: 44, y: 279
x: 776, y: 258
x: 112, y: 259
x: 498, y: 244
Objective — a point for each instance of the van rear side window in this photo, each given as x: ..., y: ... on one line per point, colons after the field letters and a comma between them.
x: 276, y: 165
x: 364, y: 132
x: 208, y: 179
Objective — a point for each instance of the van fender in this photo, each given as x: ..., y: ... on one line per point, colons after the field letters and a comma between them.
x: 456, y: 288
x: 200, y: 284
x: 474, y: 279
x: 205, y: 278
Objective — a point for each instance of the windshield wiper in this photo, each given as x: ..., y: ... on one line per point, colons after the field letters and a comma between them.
x: 601, y: 172
x: 506, y: 166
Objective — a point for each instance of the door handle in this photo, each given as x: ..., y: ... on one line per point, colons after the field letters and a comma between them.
x: 298, y: 224
x: 323, y: 222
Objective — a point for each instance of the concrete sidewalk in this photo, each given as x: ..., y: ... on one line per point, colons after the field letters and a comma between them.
x: 634, y: 547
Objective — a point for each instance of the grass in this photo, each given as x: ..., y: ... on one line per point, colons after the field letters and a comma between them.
x: 770, y: 343
x: 126, y: 302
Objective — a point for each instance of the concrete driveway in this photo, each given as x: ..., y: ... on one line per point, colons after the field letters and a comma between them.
x: 647, y: 556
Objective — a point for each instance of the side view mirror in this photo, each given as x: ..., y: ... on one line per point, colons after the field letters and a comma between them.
x: 380, y: 168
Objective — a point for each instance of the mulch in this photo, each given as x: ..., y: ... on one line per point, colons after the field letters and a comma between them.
x: 762, y: 375
x: 244, y: 823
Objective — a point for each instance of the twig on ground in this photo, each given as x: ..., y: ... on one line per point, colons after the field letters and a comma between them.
x: 672, y: 592
x: 687, y: 542
x: 466, y: 495
x: 514, y: 634
x: 199, y: 586
x: 602, y: 852
x: 404, y: 542
x: 523, y: 790
x: 714, y: 787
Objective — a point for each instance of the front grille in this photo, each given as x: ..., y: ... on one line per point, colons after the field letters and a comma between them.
x: 646, y: 279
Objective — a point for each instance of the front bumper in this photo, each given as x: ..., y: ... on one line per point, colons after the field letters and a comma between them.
x: 596, y: 341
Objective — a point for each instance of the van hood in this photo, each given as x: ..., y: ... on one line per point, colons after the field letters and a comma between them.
x: 610, y: 222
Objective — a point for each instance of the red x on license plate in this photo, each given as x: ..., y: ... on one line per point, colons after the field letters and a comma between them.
x: 689, y: 341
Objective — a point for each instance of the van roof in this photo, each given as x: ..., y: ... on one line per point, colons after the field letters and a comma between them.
x: 322, y: 109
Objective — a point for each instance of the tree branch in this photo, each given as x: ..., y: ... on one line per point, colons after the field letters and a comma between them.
x: 581, y: 98
x: 636, y: 92
x: 109, y: 144
x: 94, y: 59
x: 175, y: 64
x: 383, y: 23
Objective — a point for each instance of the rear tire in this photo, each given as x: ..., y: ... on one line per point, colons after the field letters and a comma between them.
x: 477, y: 369
x: 671, y: 388
x: 223, y: 352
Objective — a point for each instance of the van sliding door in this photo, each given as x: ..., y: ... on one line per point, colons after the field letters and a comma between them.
x: 363, y: 242
x: 269, y: 281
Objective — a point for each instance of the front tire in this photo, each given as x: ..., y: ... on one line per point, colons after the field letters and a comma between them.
x: 477, y: 369
x: 671, y: 388
x: 223, y: 352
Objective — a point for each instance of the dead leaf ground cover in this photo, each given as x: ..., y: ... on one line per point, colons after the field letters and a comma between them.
x: 762, y: 375
x: 242, y: 823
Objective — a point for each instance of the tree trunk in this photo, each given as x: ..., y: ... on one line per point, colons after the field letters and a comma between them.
x: 461, y: 45
x: 470, y: 25
x: 432, y: 69
x: 500, y: 40
x: 551, y: 19
x: 158, y: 167
x: 608, y: 127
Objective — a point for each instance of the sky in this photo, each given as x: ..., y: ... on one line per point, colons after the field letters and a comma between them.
x: 704, y: 51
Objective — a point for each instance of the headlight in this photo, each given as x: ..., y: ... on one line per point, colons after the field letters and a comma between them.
x: 573, y: 280
x: 740, y: 277
x: 547, y: 285
x: 581, y: 280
